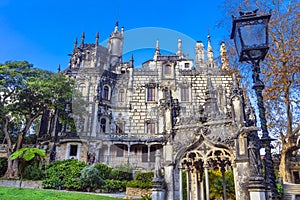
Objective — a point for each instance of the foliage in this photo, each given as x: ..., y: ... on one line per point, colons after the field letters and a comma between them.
x: 90, y: 178
x: 112, y: 186
x: 216, y: 184
x: 144, y: 176
x: 104, y: 170
x: 8, y: 193
x: 3, y: 166
x: 280, y: 189
x: 26, y: 92
x: 63, y: 174
x: 27, y: 154
x: 31, y: 172
x: 146, y: 197
x: 121, y: 172
x: 139, y: 184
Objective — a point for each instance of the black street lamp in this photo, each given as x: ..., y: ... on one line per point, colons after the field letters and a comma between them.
x: 250, y: 34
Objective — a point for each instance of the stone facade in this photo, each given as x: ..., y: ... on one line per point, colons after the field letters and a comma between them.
x: 192, y: 111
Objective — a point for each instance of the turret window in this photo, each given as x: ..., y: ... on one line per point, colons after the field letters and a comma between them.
x: 103, y: 125
x: 121, y: 95
x: 105, y: 94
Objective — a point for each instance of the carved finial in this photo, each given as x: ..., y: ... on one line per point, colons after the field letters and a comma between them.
x: 82, y: 38
x: 75, y: 43
x: 116, y: 27
x: 157, y: 51
x: 97, y: 38
x: 179, y: 47
x: 131, y: 60
x: 58, y: 69
x: 224, y: 58
x: 210, y: 52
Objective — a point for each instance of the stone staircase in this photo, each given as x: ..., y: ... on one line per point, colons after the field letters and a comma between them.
x: 291, y: 191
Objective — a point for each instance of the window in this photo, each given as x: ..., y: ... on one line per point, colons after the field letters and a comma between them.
x: 73, y: 150
x: 152, y: 154
x: 151, y: 94
x: 121, y: 96
x: 151, y: 128
x: 166, y: 93
x: 120, y: 128
x: 120, y: 151
x: 187, y: 65
x: 144, y: 154
x: 81, y: 88
x: 103, y: 125
x: 185, y: 96
x: 167, y: 70
x: 105, y: 94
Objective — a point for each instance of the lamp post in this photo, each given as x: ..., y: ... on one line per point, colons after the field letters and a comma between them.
x: 250, y: 34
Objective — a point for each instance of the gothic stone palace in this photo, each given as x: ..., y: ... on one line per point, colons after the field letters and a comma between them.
x: 192, y: 111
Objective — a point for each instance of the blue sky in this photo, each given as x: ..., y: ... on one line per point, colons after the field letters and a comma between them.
x: 43, y: 32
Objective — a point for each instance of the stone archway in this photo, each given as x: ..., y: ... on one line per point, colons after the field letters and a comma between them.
x: 197, y: 163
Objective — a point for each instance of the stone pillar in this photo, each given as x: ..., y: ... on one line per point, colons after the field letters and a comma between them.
x: 188, y: 184
x: 95, y: 118
x: 169, y: 179
x: 180, y: 184
x: 206, y: 180
x: 108, y: 154
x: 148, y: 158
x: 202, y: 196
x: 128, y: 154
x: 194, y: 185
x: 241, y: 175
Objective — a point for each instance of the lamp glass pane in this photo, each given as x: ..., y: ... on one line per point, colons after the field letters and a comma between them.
x: 253, y: 35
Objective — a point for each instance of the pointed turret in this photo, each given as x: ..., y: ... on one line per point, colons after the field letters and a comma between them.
x: 179, y: 48
x: 131, y: 60
x: 97, y: 39
x: 199, y: 50
x: 224, y: 59
x: 82, y: 39
x: 157, y: 50
x: 58, y: 69
x: 210, y: 52
x: 115, y: 46
x: 75, y: 44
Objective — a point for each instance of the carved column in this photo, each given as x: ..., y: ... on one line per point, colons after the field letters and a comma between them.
x: 206, y: 180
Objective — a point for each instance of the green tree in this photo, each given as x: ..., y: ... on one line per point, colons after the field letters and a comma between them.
x: 281, y: 73
x: 26, y: 92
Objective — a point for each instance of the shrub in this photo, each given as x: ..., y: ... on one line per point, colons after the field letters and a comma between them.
x: 144, y: 176
x: 104, y: 170
x: 90, y: 178
x: 63, y: 174
x: 3, y: 166
x: 139, y: 184
x: 121, y: 172
x: 31, y: 172
x: 112, y: 186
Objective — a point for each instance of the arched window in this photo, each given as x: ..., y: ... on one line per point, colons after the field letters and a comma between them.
x: 103, y: 125
x: 167, y: 70
x: 105, y: 94
x: 121, y: 96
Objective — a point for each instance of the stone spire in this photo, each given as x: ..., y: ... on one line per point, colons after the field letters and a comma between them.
x: 199, y: 51
x: 82, y: 39
x: 131, y: 60
x: 116, y: 27
x: 115, y: 46
x: 75, y: 44
x: 224, y: 59
x: 210, y: 52
x: 97, y: 39
x: 179, y: 48
x: 157, y: 50
x: 58, y: 69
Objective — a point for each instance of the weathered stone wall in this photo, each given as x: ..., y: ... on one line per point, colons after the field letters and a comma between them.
x: 25, y: 184
x: 134, y: 193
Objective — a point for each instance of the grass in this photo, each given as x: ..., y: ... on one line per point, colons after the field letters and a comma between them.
x: 7, y: 193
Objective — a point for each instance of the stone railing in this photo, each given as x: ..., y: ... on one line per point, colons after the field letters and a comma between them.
x: 136, y: 193
x: 291, y: 191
